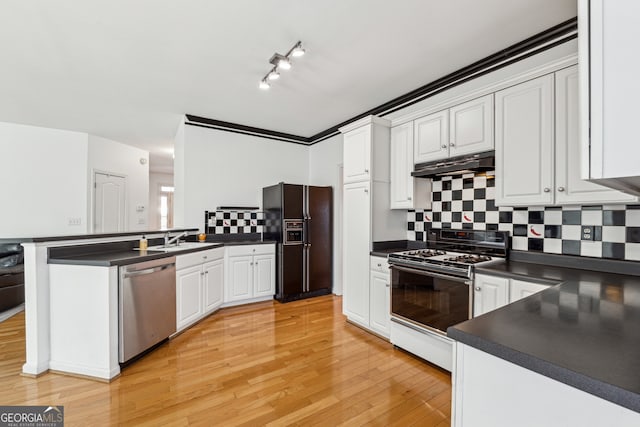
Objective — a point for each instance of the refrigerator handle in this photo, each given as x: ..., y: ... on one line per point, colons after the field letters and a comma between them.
x: 307, y: 267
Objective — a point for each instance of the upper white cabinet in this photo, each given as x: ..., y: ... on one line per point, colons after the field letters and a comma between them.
x: 537, y: 145
x: 471, y: 127
x: 524, y: 143
x: 431, y: 137
x: 407, y: 192
x: 610, y: 90
x: 357, y: 155
x: 463, y: 129
x: 570, y: 188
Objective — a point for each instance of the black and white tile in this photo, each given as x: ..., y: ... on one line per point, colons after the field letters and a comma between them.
x: 468, y: 202
x: 233, y: 222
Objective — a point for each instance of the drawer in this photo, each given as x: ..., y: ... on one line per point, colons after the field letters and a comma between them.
x: 198, y: 258
x: 244, y: 250
x: 379, y: 264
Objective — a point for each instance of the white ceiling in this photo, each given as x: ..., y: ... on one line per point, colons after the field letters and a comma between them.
x: 128, y: 70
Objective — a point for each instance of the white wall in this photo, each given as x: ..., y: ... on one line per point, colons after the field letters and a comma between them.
x: 325, y: 168
x: 156, y: 180
x: 43, y: 176
x: 215, y: 168
x: 106, y: 155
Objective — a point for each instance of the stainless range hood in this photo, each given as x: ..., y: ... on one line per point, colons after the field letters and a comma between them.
x: 456, y: 165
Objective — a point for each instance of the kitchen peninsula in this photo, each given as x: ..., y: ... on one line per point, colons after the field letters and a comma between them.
x: 72, y: 301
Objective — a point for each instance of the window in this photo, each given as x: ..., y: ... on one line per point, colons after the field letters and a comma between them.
x: 166, y: 206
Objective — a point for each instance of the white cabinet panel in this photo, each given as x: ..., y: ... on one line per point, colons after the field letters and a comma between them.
x: 213, y: 284
x: 431, y: 135
x: 356, y: 247
x: 407, y: 192
x: 524, y: 143
x: 471, y: 127
x: 240, y: 278
x: 521, y: 289
x: 380, y: 305
x: 357, y: 155
x: 489, y: 293
x: 570, y: 187
x: 188, y: 296
x: 264, y: 275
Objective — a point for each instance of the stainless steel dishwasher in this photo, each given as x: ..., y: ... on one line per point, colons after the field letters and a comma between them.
x: 147, y: 305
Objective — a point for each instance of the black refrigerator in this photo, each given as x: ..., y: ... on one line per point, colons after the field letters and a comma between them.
x: 299, y: 219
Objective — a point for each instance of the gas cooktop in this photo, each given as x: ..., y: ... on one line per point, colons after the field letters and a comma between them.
x: 456, y: 251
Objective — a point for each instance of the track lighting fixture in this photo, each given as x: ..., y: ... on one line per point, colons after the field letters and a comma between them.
x: 281, y: 62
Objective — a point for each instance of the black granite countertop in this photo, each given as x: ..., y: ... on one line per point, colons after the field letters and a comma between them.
x: 123, y: 253
x: 584, y: 332
x: 92, y: 236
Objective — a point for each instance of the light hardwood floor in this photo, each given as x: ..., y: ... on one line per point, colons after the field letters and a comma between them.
x: 264, y: 364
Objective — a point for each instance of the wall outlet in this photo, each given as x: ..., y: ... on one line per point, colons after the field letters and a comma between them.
x: 588, y: 232
x: 75, y: 221
x: 141, y: 221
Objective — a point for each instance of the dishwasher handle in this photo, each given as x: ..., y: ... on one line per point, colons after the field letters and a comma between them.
x: 147, y: 271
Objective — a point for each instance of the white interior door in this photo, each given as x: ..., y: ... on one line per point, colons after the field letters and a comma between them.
x: 108, y: 203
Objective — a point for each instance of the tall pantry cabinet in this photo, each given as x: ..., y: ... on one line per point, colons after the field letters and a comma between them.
x: 366, y: 214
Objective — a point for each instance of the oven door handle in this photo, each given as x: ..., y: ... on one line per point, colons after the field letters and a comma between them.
x: 430, y: 274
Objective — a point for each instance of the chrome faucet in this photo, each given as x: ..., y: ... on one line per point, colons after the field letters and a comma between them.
x: 169, y: 241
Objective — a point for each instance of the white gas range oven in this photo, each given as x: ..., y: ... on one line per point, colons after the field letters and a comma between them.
x: 432, y: 289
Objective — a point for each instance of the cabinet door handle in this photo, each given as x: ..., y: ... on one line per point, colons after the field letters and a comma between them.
x: 444, y: 145
x: 250, y: 263
x: 387, y: 285
x: 452, y: 145
x: 379, y: 265
x: 366, y: 190
x: 478, y: 288
x: 204, y: 257
x: 366, y: 171
x: 560, y: 189
x: 546, y: 189
x: 409, y: 198
x: 202, y: 273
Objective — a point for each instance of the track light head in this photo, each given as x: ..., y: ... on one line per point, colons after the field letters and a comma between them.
x: 297, y: 50
x: 264, y: 85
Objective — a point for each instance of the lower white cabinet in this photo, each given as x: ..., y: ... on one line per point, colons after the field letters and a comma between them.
x: 199, y: 284
x: 379, y: 297
x: 521, y: 289
x: 489, y: 293
x: 492, y: 292
x: 250, y: 273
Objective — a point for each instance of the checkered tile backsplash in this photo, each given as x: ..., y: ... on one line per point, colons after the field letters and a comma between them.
x: 468, y: 202
x: 233, y: 222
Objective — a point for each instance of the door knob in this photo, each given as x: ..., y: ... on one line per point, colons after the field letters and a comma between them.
x: 560, y: 188
x: 546, y: 189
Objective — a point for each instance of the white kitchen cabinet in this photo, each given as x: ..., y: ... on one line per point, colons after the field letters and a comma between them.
x: 610, y: 91
x: 407, y: 192
x: 357, y: 155
x: 519, y: 289
x: 249, y: 274
x: 570, y: 188
x: 213, y: 284
x: 471, y: 127
x: 366, y: 215
x: 536, y: 165
x: 431, y: 135
x: 524, y: 143
x: 463, y: 129
x: 380, y: 297
x: 199, y: 285
x: 356, y: 247
x: 490, y: 292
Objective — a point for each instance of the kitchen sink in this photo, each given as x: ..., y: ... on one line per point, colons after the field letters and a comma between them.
x: 181, y: 247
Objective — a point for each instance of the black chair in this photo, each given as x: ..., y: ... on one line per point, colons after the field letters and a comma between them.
x: 11, y: 275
